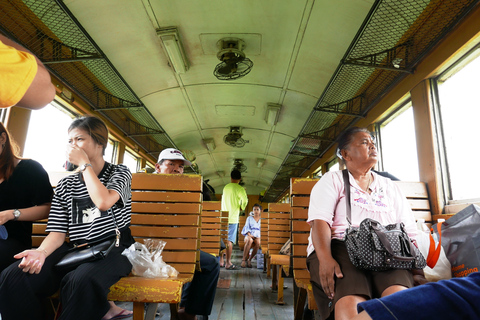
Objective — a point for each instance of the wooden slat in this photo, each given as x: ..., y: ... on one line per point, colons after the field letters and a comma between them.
x: 160, y: 196
x: 300, y: 201
x: 419, y: 204
x: 167, y: 182
x: 301, y: 185
x: 278, y: 227
x: 208, y: 232
x: 413, y: 189
x: 281, y: 216
x: 299, y: 213
x: 299, y: 225
x: 164, y: 232
x: 454, y: 208
x: 211, y: 220
x: 212, y: 205
x: 177, y: 208
x: 278, y: 207
x: 300, y: 238
x: 139, y: 289
x: 165, y: 220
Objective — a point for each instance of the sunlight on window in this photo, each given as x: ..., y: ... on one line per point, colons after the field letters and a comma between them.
x: 130, y: 161
x: 460, y: 112
x: 399, y: 147
x: 47, y: 137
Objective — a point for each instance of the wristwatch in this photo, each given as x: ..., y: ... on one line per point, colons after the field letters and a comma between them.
x: 83, y: 167
x: 16, y: 214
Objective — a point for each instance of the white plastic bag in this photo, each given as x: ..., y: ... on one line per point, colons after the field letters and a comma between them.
x: 259, y: 259
x: 147, y: 259
x: 442, y: 269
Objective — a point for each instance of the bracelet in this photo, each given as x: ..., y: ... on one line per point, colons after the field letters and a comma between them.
x: 43, y: 250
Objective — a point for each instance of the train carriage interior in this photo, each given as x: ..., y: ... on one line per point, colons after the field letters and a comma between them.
x: 264, y: 87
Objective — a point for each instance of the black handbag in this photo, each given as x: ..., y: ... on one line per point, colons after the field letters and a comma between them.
x: 88, y: 252
x: 374, y: 247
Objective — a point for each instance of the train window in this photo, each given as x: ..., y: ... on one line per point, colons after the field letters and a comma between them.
x: 46, y: 143
x: 109, y: 151
x: 459, y: 108
x: 130, y: 161
x: 398, y: 146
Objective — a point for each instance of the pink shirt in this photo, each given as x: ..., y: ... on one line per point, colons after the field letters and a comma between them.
x: 386, y: 204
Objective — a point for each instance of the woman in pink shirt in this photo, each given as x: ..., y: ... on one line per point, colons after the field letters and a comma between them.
x: 335, y: 280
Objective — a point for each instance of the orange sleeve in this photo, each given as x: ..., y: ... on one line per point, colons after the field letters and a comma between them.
x: 17, y: 71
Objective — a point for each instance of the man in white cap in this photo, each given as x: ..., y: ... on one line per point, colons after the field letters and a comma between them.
x: 198, y: 295
x: 171, y: 161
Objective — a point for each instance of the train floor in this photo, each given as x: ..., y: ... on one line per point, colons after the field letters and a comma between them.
x: 242, y: 294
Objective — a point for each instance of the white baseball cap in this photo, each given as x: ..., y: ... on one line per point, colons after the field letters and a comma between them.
x: 173, y: 154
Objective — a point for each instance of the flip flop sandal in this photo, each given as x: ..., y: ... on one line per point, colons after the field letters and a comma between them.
x: 243, y: 264
x: 249, y: 264
x: 232, y: 267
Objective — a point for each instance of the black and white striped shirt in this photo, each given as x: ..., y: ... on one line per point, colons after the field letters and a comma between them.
x: 74, y: 212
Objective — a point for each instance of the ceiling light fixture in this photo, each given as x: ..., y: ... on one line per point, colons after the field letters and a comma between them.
x: 170, y: 39
x: 272, y: 113
x: 210, y: 144
x: 260, y: 162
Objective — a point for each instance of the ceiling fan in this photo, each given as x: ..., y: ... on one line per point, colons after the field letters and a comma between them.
x: 238, y: 165
x: 234, y: 64
x: 234, y: 138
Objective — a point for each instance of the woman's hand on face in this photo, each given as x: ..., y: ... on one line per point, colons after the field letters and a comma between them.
x: 328, y: 269
x: 76, y: 155
x: 32, y: 260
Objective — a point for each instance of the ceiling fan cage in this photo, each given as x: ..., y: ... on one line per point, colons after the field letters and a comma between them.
x: 233, y: 63
x: 234, y: 138
x: 238, y: 165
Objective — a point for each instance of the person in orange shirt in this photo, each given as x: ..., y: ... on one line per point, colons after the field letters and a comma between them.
x: 24, y: 80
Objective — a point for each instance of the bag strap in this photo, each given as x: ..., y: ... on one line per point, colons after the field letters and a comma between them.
x: 434, y: 253
x: 346, y: 185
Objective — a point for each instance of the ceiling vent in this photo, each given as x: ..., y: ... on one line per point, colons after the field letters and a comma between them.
x: 238, y: 165
x: 234, y: 138
x: 233, y: 63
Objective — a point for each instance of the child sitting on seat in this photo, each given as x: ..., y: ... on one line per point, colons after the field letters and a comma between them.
x: 251, y: 231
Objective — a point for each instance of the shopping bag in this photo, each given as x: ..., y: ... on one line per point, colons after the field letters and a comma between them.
x: 460, y: 238
x: 438, y: 267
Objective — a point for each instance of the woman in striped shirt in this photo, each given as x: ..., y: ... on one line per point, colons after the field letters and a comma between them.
x: 89, y: 206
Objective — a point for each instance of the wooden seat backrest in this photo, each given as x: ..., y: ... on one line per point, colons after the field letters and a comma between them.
x: 300, y: 189
x: 211, y: 226
x: 241, y: 224
x: 417, y: 195
x: 168, y: 207
x: 278, y: 226
x: 264, y: 232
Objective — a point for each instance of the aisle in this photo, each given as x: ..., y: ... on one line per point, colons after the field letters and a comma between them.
x: 248, y: 296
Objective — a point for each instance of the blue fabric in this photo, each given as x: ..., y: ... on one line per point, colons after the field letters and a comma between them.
x: 457, y: 298
x: 252, y: 226
x: 232, y: 232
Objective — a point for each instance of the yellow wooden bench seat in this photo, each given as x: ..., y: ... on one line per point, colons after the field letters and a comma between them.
x: 165, y: 207
x: 279, y: 231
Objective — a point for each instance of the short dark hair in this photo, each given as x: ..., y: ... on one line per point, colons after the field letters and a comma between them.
x: 95, y: 128
x: 235, y: 175
x: 346, y: 137
x: 257, y: 205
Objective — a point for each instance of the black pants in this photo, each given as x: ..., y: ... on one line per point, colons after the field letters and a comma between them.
x: 83, y: 291
x: 198, y: 295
